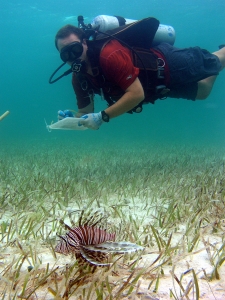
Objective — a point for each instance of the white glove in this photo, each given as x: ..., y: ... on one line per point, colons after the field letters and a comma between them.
x: 92, y: 121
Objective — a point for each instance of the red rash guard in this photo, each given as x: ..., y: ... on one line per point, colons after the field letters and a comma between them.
x: 117, y: 67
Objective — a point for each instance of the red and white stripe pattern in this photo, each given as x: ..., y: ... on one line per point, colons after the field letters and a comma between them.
x: 80, y: 236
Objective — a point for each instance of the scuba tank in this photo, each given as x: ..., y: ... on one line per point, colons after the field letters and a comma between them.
x: 103, y: 23
x: 148, y: 32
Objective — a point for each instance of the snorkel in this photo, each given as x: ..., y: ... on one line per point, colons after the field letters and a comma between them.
x: 61, y: 76
x: 70, y: 53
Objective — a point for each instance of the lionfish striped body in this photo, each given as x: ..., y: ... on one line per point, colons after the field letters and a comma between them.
x: 77, y: 238
x: 91, y: 244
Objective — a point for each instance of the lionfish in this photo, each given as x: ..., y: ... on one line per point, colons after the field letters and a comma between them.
x: 92, y: 244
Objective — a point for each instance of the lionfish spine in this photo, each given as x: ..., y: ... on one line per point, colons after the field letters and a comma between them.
x: 81, y: 236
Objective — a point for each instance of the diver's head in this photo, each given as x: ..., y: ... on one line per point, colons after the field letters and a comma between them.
x: 70, y: 42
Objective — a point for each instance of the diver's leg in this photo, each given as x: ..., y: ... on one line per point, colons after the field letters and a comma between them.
x: 221, y: 55
x: 205, y: 86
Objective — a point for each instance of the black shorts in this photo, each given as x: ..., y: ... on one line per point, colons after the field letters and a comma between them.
x: 187, y: 66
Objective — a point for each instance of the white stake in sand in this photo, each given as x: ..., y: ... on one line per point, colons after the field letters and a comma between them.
x: 4, y: 115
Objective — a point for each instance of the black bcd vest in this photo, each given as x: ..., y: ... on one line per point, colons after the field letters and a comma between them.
x: 134, y: 37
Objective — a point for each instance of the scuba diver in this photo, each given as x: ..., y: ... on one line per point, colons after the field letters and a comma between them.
x: 127, y: 69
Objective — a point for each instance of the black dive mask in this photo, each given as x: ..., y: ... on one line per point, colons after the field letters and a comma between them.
x: 71, y: 53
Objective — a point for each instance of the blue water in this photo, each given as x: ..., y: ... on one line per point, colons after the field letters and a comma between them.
x: 28, y: 57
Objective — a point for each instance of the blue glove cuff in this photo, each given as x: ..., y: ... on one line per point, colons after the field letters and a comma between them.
x: 68, y: 113
x: 65, y: 114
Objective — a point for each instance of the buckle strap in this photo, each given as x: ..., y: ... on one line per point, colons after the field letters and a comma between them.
x: 161, y: 69
x: 161, y: 91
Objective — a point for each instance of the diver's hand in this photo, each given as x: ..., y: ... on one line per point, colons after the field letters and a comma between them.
x: 91, y: 121
x: 62, y: 114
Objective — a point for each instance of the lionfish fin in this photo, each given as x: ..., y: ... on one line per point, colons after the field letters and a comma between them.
x: 86, y: 256
x: 80, y: 219
x: 114, y: 247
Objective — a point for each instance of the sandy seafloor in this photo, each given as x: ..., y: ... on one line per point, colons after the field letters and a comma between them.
x: 197, y: 260
x: 181, y: 261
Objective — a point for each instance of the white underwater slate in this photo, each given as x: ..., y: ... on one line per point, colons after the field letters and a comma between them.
x: 66, y: 124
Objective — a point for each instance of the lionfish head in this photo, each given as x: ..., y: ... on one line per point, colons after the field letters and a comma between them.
x: 77, y: 238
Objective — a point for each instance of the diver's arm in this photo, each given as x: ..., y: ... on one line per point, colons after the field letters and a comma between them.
x: 133, y: 95
x: 86, y: 110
